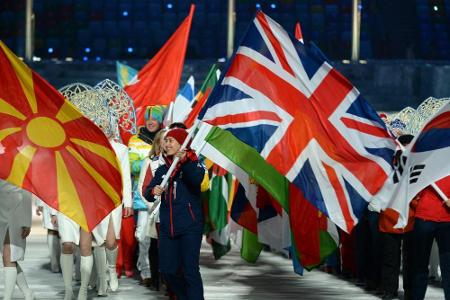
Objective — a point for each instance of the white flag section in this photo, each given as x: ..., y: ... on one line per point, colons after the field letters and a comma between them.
x: 427, y: 161
x: 274, y: 231
x: 183, y: 102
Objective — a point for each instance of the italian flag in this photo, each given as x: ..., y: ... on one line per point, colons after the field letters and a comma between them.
x: 217, y: 218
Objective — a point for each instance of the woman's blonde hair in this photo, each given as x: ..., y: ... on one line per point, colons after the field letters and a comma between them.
x: 156, y: 147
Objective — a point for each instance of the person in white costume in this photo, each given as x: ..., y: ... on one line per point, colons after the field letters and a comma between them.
x: 108, y: 231
x: 15, y: 224
x: 53, y: 242
x: 105, y: 235
x: 71, y: 234
x: 145, y: 259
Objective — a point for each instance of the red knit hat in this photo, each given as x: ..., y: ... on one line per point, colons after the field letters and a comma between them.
x: 179, y: 134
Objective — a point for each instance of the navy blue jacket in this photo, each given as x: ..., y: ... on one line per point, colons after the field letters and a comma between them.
x: 181, y: 207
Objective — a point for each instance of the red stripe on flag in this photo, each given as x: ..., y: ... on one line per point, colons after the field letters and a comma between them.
x: 340, y: 195
x: 218, y: 171
x: 147, y: 179
x: 245, y: 117
x: 275, y: 43
x: 365, y: 128
x: 197, y: 108
x: 298, y: 32
x: 304, y: 227
x: 442, y: 121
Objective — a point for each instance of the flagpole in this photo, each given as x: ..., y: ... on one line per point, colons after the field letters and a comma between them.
x: 157, y: 203
x: 356, y: 29
x: 29, y: 30
x: 177, y: 159
x: 231, y: 27
x: 440, y: 192
x: 169, y: 116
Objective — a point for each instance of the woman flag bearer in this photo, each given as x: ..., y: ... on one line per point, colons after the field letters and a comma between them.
x: 107, y: 233
x: 181, y: 217
x: 92, y: 104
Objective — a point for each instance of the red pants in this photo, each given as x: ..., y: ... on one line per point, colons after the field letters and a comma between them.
x: 127, y: 245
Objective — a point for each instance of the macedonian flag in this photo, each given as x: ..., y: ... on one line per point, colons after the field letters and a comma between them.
x: 48, y: 148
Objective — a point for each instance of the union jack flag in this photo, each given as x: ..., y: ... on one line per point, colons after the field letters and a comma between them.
x: 304, y: 118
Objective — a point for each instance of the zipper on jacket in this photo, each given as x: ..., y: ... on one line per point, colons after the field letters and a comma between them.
x: 171, y: 211
x: 175, y: 190
x: 191, y: 212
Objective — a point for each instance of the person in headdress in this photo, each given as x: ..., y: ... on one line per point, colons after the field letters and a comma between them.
x: 397, y: 127
x: 395, y: 243
x: 104, y: 236
x: 108, y: 234
x: 147, y: 227
x: 140, y: 146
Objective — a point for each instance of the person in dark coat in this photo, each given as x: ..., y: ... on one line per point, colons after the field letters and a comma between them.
x: 181, y: 217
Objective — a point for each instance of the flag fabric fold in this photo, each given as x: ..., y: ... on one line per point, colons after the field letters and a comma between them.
x: 182, y: 105
x: 288, y: 104
x: 425, y: 162
x: 202, y: 96
x: 312, y: 237
x: 218, y: 215
x: 246, y: 210
x: 298, y: 32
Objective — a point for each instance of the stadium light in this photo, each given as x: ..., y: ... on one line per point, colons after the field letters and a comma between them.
x: 258, y: 6
x: 273, y: 6
x: 125, y: 13
x: 169, y: 5
x: 50, y: 50
x: 130, y: 49
x: 87, y: 50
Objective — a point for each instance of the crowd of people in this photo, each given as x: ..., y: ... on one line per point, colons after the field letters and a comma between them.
x: 166, y: 222
x: 158, y: 229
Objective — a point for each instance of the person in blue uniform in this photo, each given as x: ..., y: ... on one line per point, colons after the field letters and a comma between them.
x: 181, y: 217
